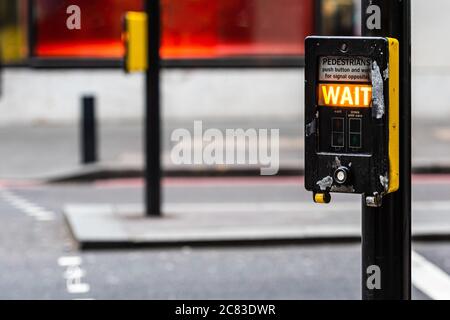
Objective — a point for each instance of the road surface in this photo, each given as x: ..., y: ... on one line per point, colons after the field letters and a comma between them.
x: 40, y: 260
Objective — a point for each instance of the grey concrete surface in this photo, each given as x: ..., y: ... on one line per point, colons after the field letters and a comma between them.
x: 42, y: 152
x: 270, y: 211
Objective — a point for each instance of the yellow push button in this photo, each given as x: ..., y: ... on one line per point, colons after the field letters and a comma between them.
x: 322, y: 198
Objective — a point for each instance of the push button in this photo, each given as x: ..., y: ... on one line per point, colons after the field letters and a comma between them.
x: 341, y: 175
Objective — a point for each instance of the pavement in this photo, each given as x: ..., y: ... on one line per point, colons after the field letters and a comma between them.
x: 55, y: 150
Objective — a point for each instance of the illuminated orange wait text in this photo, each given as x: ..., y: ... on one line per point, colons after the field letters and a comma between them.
x: 345, y: 95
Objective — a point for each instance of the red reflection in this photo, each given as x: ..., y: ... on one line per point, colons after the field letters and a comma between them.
x: 100, y: 34
x: 221, y: 28
x: 191, y: 28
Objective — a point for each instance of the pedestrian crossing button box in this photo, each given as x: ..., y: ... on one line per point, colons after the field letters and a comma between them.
x: 352, y: 117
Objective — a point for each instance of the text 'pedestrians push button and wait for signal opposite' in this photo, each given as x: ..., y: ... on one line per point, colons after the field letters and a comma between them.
x: 352, y: 117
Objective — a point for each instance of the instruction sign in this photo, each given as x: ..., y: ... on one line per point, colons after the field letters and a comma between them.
x: 344, y: 69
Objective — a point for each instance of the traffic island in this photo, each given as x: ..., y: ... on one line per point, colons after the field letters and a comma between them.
x: 105, y: 226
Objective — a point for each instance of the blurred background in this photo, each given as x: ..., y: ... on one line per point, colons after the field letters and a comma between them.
x: 235, y: 63
x: 231, y: 64
x: 226, y: 33
x: 231, y: 34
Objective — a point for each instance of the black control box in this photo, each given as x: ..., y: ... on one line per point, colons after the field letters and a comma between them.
x: 351, y: 117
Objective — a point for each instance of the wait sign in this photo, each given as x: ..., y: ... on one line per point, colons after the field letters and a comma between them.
x: 345, y: 95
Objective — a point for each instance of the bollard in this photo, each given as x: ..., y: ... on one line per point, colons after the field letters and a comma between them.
x: 152, y: 112
x: 88, y: 131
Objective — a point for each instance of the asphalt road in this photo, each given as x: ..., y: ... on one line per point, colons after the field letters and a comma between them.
x: 38, y: 255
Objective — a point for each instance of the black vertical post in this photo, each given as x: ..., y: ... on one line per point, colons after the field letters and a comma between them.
x: 1, y: 72
x: 152, y: 112
x: 386, y: 231
x: 318, y: 26
x: 88, y: 131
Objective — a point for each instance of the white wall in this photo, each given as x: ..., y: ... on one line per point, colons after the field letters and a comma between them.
x: 53, y: 96
x: 36, y: 96
x: 431, y: 58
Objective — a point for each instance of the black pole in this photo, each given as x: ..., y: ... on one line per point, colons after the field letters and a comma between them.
x: 31, y: 28
x: 386, y: 231
x: 88, y: 131
x: 1, y: 72
x: 152, y: 112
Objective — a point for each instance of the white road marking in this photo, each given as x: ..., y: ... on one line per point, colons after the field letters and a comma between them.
x: 31, y: 209
x: 77, y: 288
x: 73, y: 274
x: 69, y: 261
x: 430, y: 279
